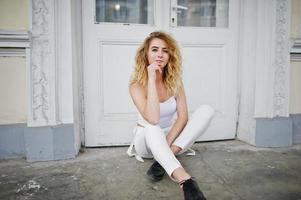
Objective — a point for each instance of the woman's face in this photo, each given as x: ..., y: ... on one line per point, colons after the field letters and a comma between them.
x: 158, y: 52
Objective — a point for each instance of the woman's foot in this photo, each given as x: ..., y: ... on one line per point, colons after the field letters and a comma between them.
x: 156, y: 172
x: 192, y: 190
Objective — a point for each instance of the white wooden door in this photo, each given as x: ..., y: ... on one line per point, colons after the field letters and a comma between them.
x: 111, y: 36
x: 208, y: 33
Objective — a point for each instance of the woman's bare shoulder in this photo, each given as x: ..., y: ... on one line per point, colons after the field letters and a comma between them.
x: 180, y: 88
x: 136, y: 88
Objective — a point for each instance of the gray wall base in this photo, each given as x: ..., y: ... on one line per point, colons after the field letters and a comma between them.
x: 278, y: 132
x: 37, y: 143
x: 55, y: 143
x: 296, y: 118
x: 12, y: 141
x: 275, y: 132
x: 49, y: 143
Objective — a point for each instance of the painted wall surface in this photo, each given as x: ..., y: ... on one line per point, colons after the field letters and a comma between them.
x: 14, y: 14
x: 296, y: 19
x: 295, y: 88
x: 13, y: 103
x: 295, y: 82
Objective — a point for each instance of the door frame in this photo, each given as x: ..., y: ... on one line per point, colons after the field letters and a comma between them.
x: 165, y: 25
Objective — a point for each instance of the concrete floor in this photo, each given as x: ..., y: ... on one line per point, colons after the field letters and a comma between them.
x: 224, y: 170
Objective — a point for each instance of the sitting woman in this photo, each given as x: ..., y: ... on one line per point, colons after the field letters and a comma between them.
x: 158, y: 93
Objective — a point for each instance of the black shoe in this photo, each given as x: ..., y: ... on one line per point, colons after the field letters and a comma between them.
x: 192, y: 190
x: 156, y: 172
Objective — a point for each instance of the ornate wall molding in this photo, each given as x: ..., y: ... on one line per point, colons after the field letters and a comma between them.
x: 42, y: 70
x: 50, y: 73
x: 272, y: 59
x: 282, y: 59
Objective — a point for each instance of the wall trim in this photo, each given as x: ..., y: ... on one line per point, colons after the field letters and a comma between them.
x: 14, y: 42
x: 296, y: 50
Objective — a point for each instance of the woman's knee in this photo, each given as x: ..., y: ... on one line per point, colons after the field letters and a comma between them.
x: 205, y: 110
x: 141, y: 149
x: 153, y: 131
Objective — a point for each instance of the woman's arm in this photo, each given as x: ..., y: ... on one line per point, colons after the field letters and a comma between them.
x: 182, y: 119
x: 148, y: 107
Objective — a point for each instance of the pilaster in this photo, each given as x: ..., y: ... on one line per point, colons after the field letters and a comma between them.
x: 272, y: 59
x: 264, y: 63
x: 50, y: 81
x: 42, y: 92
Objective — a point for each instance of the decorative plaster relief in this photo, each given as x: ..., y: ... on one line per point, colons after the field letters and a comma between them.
x: 281, y: 80
x: 41, y: 61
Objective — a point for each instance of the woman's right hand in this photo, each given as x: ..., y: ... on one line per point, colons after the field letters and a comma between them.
x: 151, y: 69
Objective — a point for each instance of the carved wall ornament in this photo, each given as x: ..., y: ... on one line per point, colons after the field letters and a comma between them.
x: 42, y: 59
x: 281, y: 65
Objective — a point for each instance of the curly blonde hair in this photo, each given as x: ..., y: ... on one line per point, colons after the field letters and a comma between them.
x: 172, y: 71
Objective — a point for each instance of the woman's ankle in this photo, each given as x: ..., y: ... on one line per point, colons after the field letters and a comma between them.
x: 180, y: 175
x: 175, y: 149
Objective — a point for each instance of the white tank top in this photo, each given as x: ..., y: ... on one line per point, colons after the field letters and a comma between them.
x: 168, y: 109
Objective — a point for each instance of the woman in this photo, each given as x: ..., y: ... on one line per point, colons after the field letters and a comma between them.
x: 157, y: 91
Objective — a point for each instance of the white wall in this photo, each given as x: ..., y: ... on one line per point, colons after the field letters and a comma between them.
x: 13, y: 97
x: 14, y: 14
x: 64, y: 62
x: 295, y: 88
x: 247, y: 61
x: 13, y: 104
x: 296, y: 19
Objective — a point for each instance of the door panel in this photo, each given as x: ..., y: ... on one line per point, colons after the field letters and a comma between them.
x: 206, y: 74
x: 116, y: 77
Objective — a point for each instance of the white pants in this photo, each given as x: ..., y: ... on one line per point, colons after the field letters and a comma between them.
x: 150, y: 141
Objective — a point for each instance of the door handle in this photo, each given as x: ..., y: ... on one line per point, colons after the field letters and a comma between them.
x: 176, y: 7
